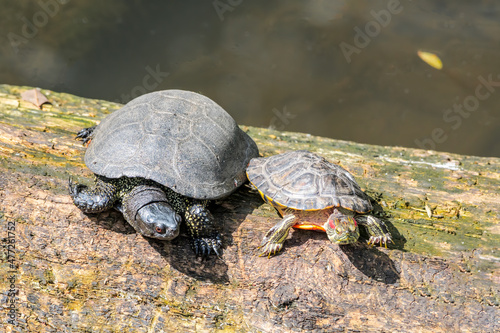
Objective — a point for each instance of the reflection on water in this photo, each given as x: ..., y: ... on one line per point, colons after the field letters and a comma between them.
x: 346, y: 70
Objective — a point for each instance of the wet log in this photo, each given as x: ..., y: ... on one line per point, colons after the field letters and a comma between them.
x: 64, y: 271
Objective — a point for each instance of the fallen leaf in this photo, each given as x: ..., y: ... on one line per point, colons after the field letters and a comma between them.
x: 431, y: 59
x: 34, y: 96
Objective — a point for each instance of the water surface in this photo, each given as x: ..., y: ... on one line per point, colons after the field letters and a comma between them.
x: 340, y: 69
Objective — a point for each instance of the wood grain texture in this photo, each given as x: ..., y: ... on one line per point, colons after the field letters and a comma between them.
x: 93, y: 273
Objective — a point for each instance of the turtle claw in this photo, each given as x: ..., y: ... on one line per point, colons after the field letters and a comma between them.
x: 94, y: 199
x: 203, y: 247
x: 376, y: 228
x: 269, y: 249
x: 81, y: 201
x: 273, y: 241
x: 85, y: 135
x: 381, y: 240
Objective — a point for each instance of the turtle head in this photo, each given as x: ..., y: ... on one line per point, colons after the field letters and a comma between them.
x: 341, y: 228
x: 146, y: 208
x: 158, y: 220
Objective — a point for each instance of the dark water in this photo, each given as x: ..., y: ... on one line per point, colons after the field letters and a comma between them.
x: 293, y: 65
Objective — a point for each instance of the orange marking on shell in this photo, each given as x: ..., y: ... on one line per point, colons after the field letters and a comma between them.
x: 309, y: 227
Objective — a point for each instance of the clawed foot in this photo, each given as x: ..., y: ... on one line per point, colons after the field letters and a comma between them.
x: 91, y: 200
x: 376, y: 229
x: 269, y: 248
x: 81, y: 200
x: 273, y: 241
x: 85, y: 135
x: 204, y: 246
x: 74, y: 190
x: 381, y: 240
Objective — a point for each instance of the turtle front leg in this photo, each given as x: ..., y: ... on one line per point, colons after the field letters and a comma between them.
x: 275, y: 237
x: 94, y: 199
x: 201, y: 227
x: 376, y: 228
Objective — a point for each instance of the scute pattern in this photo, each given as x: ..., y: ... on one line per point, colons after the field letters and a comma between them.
x: 304, y: 181
x: 180, y: 139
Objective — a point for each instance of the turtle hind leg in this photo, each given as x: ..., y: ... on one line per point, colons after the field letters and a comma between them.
x: 86, y: 135
x: 376, y: 228
x: 201, y: 226
x: 94, y: 199
x: 275, y: 237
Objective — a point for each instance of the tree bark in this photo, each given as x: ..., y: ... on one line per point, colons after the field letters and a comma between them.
x: 71, y: 272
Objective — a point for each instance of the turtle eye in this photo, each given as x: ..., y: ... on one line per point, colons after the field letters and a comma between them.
x: 160, y: 230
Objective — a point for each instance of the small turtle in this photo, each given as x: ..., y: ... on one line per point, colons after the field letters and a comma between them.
x: 160, y: 159
x: 311, y: 193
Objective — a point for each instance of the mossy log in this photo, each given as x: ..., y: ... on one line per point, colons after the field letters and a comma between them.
x: 72, y: 272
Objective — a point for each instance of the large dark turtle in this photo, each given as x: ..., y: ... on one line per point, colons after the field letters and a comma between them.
x: 311, y: 193
x: 159, y: 159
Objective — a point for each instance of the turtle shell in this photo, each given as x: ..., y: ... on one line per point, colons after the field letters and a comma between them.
x: 180, y: 139
x: 302, y: 180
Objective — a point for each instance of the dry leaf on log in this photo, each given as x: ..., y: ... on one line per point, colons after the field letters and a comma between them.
x: 34, y: 96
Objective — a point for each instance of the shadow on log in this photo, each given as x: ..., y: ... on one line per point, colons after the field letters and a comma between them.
x: 71, y: 272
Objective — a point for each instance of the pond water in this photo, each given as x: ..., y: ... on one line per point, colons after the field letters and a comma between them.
x: 342, y: 69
